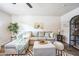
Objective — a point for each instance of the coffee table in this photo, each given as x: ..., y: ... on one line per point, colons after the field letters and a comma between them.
x: 44, y: 50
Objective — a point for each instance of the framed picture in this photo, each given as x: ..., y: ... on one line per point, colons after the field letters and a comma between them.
x: 38, y: 26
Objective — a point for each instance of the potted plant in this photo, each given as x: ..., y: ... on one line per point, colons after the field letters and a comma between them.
x: 13, y: 28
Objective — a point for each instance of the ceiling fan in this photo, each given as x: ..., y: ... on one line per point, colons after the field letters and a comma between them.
x: 30, y: 6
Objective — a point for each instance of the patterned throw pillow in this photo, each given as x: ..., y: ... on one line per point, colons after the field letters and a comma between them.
x: 23, y: 35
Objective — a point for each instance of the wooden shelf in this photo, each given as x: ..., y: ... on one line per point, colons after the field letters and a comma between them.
x: 74, y: 40
x: 75, y: 23
x: 76, y: 47
x: 75, y: 35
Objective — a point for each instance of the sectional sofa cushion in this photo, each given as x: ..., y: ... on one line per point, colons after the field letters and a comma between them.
x: 34, y: 34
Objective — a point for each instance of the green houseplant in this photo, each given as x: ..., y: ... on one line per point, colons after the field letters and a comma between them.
x: 13, y: 28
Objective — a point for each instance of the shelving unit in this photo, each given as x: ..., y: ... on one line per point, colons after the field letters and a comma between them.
x: 74, y: 32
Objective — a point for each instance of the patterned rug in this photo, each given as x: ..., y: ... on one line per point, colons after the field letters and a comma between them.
x: 30, y: 54
x: 64, y: 53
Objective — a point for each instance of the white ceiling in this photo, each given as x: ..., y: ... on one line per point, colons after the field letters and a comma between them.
x: 49, y: 9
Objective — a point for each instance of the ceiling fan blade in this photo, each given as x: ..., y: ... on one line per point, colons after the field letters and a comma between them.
x: 14, y: 3
x: 29, y: 5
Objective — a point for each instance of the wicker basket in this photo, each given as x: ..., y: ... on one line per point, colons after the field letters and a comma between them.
x: 42, y: 42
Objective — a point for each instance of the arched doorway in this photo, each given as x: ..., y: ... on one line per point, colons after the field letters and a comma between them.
x: 74, y: 32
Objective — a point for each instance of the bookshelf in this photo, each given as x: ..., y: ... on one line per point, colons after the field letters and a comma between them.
x: 74, y: 32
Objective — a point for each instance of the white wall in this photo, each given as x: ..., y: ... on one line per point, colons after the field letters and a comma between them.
x: 65, y: 19
x: 5, y: 19
x: 49, y: 22
x: 53, y: 23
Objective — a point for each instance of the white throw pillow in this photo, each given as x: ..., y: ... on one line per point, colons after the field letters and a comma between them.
x: 35, y: 34
x: 47, y: 34
x: 52, y: 34
x: 41, y: 34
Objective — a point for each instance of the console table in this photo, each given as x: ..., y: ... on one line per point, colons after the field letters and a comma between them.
x: 32, y: 39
